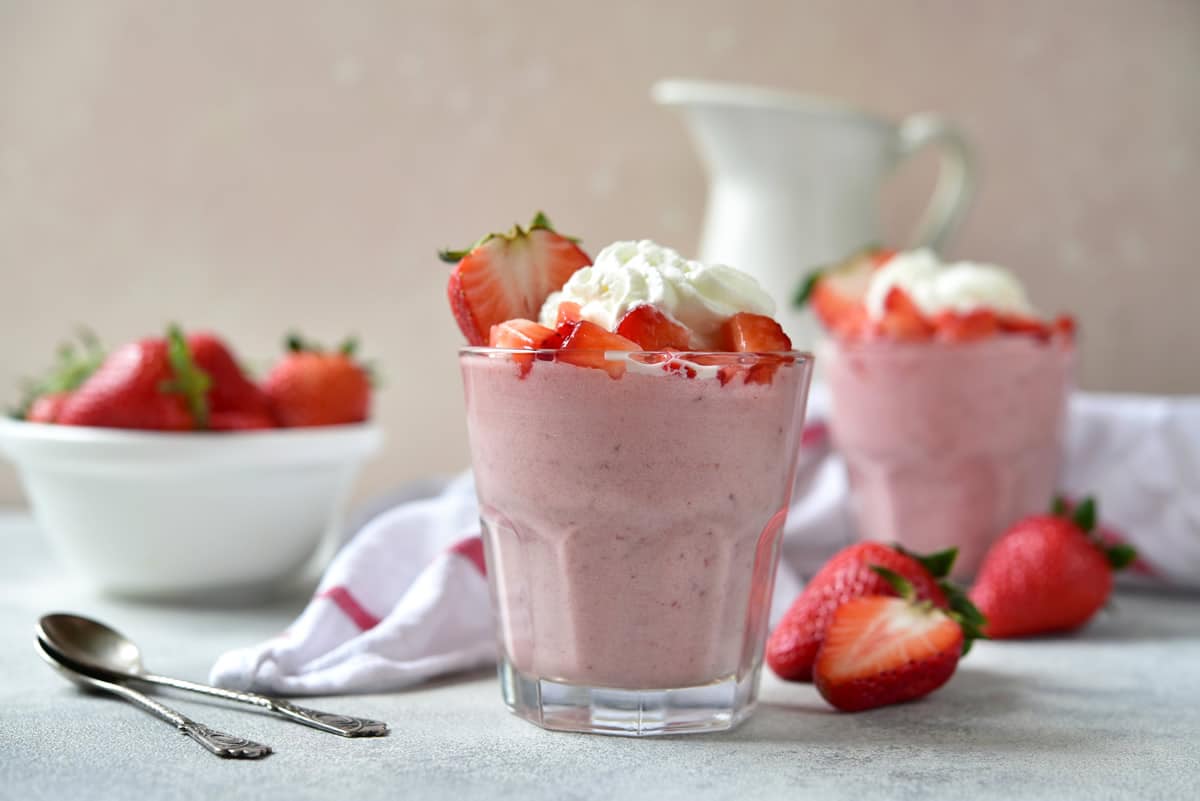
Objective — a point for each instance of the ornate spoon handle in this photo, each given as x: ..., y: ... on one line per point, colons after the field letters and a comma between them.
x: 219, y: 743
x: 344, y: 725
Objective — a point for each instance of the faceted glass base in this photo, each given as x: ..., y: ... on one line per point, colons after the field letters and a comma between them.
x: 717, y: 706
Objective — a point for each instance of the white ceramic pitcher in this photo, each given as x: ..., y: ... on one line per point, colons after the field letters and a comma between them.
x: 795, y: 180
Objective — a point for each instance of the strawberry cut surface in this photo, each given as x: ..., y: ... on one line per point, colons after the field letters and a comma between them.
x: 523, y: 335
x: 653, y: 330
x: 509, y: 275
x: 586, y: 343
x: 881, y: 651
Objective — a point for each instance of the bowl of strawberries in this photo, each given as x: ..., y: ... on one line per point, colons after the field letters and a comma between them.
x: 161, y: 469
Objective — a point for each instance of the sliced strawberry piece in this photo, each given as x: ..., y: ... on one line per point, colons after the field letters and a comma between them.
x: 754, y: 333
x: 568, y: 312
x: 1020, y: 324
x: 966, y: 327
x: 587, y: 343
x: 902, y: 319
x: 837, y: 293
x: 881, y: 651
x: 652, y: 329
x: 510, y: 275
x: 523, y: 335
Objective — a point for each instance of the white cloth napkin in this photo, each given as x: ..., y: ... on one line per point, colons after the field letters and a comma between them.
x: 406, y: 598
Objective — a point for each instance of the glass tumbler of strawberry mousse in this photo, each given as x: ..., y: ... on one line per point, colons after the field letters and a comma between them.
x: 948, y: 401
x: 634, y: 425
x: 632, y: 506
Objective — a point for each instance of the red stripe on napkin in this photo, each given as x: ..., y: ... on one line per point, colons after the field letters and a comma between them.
x: 472, y: 548
x: 342, y: 598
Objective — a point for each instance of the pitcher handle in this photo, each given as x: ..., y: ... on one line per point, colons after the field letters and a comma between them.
x: 956, y: 175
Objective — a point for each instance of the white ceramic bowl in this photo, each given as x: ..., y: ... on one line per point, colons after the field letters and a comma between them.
x: 165, y: 515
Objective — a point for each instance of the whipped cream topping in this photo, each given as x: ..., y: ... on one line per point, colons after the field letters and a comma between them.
x: 629, y: 274
x: 936, y: 286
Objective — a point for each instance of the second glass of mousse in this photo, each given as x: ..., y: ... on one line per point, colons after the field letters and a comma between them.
x: 949, y: 398
x: 634, y: 454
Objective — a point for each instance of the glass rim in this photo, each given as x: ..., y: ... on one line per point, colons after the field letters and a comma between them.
x: 484, y: 350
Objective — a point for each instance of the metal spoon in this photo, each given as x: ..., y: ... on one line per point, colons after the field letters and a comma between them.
x: 103, y: 653
x: 219, y: 743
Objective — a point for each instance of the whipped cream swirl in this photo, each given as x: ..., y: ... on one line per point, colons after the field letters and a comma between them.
x: 936, y: 286
x: 628, y: 274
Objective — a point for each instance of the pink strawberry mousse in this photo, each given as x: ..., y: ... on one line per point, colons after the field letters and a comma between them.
x: 949, y: 443
x: 632, y: 524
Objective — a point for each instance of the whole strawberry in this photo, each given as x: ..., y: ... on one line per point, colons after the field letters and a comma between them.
x: 151, y: 384
x: 851, y: 573
x: 45, y: 396
x: 1047, y: 573
x: 234, y: 401
x: 314, y: 387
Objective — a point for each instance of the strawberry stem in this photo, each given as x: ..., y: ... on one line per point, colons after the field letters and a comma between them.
x: 899, y: 583
x: 938, y: 563
x: 71, y: 368
x: 1121, y: 556
x: 805, y: 290
x: 1059, y: 506
x: 189, y: 380
x: 1084, y: 515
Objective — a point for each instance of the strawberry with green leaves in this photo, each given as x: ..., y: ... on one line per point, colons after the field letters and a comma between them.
x: 508, y: 276
x: 151, y: 384
x: 45, y: 397
x: 235, y: 402
x: 853, y: 573
x: 311, y: 386
x: 882, y: 650
x: 1048, y: 573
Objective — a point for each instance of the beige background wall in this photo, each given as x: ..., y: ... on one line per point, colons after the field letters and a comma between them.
x: 256, y: 165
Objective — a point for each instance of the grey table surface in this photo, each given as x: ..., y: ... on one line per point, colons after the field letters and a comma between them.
x: 1113, y: 712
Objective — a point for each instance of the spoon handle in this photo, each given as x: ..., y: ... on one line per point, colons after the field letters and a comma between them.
x: 219, y: 743
x: 344, y: 725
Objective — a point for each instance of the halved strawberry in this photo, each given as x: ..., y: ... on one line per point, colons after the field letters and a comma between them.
x: 523, y: 335
x: 851, y: 573
x: 965, y: 327
x: 902, y: 319
x: 882, y: 650
x: 510, y: 275
x: 568, y: 312
x: 587, y: 343
x: 837, y: 293
x: 652, y: 329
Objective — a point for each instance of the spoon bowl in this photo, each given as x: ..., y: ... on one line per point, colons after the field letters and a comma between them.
x: 91, y: 644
